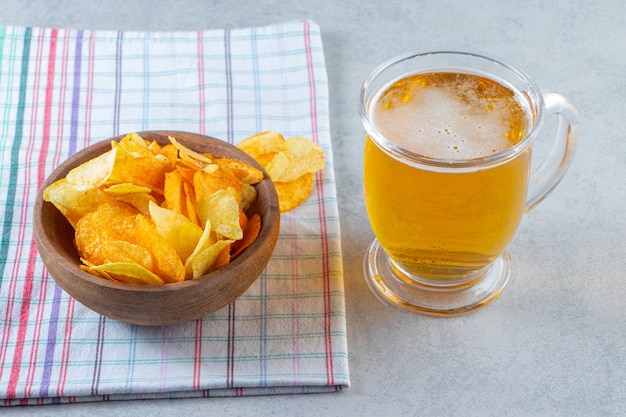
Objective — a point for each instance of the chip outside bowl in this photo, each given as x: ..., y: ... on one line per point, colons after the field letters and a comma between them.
x: 155, y: 305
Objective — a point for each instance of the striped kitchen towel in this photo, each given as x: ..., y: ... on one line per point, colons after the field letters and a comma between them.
x: 61, y: 90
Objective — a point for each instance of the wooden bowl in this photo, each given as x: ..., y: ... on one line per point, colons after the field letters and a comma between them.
x: 155, y: 305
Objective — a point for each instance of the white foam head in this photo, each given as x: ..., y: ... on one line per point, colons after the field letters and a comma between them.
x: 449, y: 121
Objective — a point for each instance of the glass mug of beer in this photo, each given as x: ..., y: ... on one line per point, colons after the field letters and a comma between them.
x: 447, y: 175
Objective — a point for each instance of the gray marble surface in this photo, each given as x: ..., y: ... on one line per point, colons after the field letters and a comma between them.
x: 554, y: 344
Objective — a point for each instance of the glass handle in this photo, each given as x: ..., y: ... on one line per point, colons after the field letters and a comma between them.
x: 547, y: 176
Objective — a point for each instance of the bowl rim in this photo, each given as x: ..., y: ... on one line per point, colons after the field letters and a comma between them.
x: 243, y: 259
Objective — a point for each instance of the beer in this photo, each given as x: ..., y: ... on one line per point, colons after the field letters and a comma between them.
x: 436, y: 224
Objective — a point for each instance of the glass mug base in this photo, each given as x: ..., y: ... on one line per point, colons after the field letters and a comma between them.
x: 391, y: 287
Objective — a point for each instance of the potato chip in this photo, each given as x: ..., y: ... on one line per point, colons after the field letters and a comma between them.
x: 190, y: 203
x: 292, y: 194
x: 251, y: 232
x: 173, y: 192
x: 95, y: 172
x: 177, y: 230
x: 248, y: 195
x: 170, y: 152
x: 221, y: 209
x: 72, y: 203
x: 299, y: 156
x: 145, y: 171
x: 129, y: 273
x: 204, y: 261
x: 125, y: 188
x: 100, y: 274
x: 207, y: 239
x: 111, y: 221
x: 243, y: 171
x: 140, y: 201
x: 223, y: 258
x: 243, y: 219
x: 136, y: 145
x: 168, y: 264
x: 261, y: 144
x: 206, y: 184
x: 289, y: 163
x: 211, y: 168
x: 135, y: 195
x: 187, y: 161
x: 184, y: 151
x: 154, y: 147
x: 122, y: 251
x: 107, y: 236
x: 186, y: 173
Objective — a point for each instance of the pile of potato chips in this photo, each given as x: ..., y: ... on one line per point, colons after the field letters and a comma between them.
x: 289, y: 163
x: 150, y: 214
